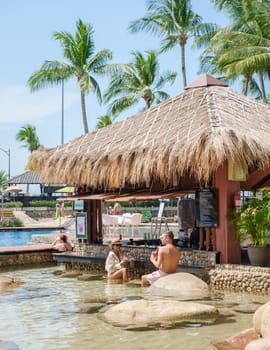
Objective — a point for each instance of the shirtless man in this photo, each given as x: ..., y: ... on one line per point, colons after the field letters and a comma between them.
x: 166, y: 260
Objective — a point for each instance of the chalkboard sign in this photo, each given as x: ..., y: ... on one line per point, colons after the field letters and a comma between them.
x: 206, y: 208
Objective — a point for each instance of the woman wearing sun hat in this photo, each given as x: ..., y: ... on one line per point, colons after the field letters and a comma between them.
x: 114, y: 265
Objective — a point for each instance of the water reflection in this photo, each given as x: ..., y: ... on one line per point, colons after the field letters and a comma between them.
x: 46, y: 313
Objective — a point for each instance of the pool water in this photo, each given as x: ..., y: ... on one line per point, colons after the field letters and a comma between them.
x: 44, y: 313
x: 20, y: 237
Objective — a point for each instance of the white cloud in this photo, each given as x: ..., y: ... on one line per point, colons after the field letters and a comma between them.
x: 18, y: 104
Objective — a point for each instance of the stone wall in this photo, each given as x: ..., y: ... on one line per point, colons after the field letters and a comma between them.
x: 38, y: 213
x: 142, y: 254
x: 47, y: 212
x: 239, y: 278
x: 26, y: 258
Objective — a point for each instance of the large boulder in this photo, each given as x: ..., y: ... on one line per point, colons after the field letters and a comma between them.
x: 257, y: 318
x: 146, y: 313
x: 237, y: 341
x: 260, y: 344
x: 181, y: 284
x: 265, y: 322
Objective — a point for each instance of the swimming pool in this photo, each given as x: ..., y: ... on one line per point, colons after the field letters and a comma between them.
x: 12, y: 238
x: 46, y: 313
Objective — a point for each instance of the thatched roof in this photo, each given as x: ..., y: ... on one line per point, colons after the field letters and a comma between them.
x: 189, y: 135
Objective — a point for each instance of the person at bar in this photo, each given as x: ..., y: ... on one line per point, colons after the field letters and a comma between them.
x: 115, y: 265
x: 166, y: 260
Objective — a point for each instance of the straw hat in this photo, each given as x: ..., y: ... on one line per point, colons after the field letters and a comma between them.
x: 117, y: 242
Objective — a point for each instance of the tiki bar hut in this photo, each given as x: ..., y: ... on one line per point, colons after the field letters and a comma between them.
x: 208, y: 137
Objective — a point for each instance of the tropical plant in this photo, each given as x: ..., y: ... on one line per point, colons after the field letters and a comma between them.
x: 81, y: 62
x: 11, y: 223
x: 176, y: 23
x: 138, y: 80
x: 104, y: 120
x: 28, y: 136
x: 253, y: 220
x: 3, y: 179
x: 242, y: 48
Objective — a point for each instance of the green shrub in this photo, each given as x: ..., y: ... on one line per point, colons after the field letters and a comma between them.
x: 45, y: 203
x: 13, y: 205
x: 11, y: 223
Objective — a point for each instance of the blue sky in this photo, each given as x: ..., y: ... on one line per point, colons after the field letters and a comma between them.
x: 26, y: 29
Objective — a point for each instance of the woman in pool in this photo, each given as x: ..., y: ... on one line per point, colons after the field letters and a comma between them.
x: 114, y: 265
x: 61, y: 243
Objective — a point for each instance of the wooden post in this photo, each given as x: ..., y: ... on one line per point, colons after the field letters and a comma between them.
x: 201, y: 238
x: 94, y: 221
x: 225, y: 233
x: 213, y: 238
x: 88, y: 216
x: 99, y: 221
x: 207, y: 239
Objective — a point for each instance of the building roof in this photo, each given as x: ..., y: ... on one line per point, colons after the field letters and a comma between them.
x: 29, y: 177
x: 188, y: 136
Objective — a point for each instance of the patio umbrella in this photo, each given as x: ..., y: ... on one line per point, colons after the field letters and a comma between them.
x: 14, y: 189
x: 67, y: 189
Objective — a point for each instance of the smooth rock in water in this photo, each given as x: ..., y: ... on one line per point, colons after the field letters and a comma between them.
x: 71, y: 274
x: 260, y: 344
x: 138, y: 313
x: 91, y: 309
x: 246, y: 309
x: 237, y: 341
x: 103, y: 299
x: 58, y: 272
x: 7, y: 282
x: 134, y: 283
x: 265, y: 322
x: 182, y: 284
x: 89, y: 277
x: 257, y: 317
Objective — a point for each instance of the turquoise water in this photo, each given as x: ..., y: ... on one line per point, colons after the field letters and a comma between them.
x: 44, y: 313
x: 20, y: 237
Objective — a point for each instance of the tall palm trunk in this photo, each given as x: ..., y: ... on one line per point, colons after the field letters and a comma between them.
x: 182, y: 43
x: 85, y: 124
x: 262, y: 86
x: 245, y: 83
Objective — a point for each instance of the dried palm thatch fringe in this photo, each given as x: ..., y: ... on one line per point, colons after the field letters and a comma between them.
x: 192, y: 133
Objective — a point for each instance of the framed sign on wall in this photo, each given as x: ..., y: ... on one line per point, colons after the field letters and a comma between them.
x: 81, y: 225
x: 78, y: 204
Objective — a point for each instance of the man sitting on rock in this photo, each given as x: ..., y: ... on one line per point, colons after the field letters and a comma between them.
x: 166, y: 259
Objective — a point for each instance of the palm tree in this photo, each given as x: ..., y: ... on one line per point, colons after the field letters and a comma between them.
x: 81, y: 62
x: 138, y: 80
x: 175, y: 22
x: 104, y: 120
x: 28, y: 136
x: 243, y: 47
x: 3, y: 180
